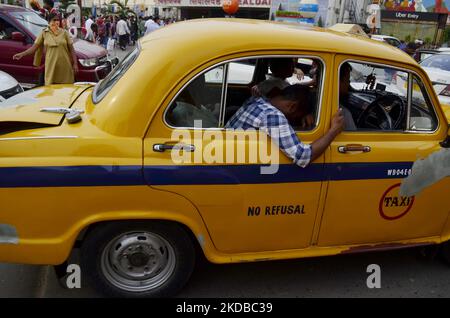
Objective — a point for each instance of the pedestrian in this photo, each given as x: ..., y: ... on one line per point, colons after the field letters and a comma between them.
x: 152, y: 25
x: 60, y: 59
x: 122, y: 31
x: 134, y: 28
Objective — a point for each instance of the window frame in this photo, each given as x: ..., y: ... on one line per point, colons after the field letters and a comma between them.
x: 225, y: 88
x: 410, y: 73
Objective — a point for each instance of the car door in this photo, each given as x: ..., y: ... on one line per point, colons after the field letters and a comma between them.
x: 22, y: 70
x: 245, y: 206
x: 368, y: 165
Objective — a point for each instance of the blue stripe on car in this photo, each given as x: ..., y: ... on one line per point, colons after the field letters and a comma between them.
x: 78, y: 176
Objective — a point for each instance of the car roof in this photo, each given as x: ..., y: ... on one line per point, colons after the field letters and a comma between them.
x: 225, y: 35
x: 174, y: 53
x: 7, y: 7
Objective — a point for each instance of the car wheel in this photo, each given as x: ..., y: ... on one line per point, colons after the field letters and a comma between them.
x: 138, y: 259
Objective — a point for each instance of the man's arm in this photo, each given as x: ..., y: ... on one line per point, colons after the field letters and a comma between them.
x: 321, y: 144
x: 281, y: 132
x: 278, y: 128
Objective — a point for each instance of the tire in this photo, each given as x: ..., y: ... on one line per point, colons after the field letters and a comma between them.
x: 138, y: 258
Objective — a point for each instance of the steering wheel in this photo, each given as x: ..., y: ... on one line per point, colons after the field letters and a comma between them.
x: 384, y: 113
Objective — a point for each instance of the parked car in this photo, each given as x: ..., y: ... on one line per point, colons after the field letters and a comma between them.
x: 437, y: 67
x: 8, y: 86
x: 19, y: 27
x: 422, y: 54
x: 139, y: 172
x: 386, y: 38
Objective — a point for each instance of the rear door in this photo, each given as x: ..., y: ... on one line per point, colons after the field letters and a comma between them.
x: 246, y: 208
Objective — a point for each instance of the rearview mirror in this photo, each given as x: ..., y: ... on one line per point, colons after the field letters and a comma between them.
x: 18, y: 36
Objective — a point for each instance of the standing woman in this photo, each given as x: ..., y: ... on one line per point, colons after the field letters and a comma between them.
x: 60, y: 59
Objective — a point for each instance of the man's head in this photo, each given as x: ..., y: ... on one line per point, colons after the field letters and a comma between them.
x: 292, y: 101
x: 282, y: 67
x: 49, y: 4
x: 344, y: 79
x: 157, y: 20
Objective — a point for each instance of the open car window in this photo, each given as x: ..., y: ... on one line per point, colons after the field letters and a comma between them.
x: 382, y: 98
x: 211, y: 98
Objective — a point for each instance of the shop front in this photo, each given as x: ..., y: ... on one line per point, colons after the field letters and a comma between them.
x: 410, y: 26
x: 197, y: 9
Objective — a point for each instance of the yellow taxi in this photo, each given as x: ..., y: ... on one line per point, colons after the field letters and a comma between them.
x: 141, y: 173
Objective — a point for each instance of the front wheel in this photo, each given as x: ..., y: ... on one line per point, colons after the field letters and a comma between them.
x: 138, y: 259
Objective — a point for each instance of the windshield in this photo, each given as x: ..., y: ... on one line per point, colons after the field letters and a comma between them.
x: 31, y: 21
x: 440, y: 61
x: 104, y: 86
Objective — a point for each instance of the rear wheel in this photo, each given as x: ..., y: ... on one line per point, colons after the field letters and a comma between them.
x: 138, y: 259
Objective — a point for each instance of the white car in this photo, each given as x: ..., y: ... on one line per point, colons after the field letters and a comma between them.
x: 437, y: 67
x: 386, y: 38
x: 8, y: 86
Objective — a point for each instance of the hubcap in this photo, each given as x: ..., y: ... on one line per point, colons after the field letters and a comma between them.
x: 138, y: 261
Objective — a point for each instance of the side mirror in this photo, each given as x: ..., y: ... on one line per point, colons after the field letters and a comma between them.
x: 18, y: 36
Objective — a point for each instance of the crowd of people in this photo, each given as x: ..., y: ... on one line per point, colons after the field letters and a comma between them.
x: 124, y: 29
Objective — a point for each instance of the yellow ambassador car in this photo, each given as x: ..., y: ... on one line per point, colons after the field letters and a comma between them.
x: 140, y: 172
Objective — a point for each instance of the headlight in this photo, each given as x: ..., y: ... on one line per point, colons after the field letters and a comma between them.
x: 88, y: 62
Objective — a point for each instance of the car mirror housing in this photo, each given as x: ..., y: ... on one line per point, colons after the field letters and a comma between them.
x: 18, y: 36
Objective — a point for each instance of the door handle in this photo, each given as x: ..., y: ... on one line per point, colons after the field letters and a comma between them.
x: 170, y: 147
x: 353, y: 148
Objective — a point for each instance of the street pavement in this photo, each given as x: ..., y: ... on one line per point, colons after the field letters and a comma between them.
x: 404, y: 273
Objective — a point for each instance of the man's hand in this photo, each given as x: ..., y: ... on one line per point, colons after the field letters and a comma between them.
x: 337, y: 123
x: 75, y: 68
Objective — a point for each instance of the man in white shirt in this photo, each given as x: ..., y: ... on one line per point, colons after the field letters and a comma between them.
x: 123, y: 31
x: 87, y: 26
x: 151, y: 25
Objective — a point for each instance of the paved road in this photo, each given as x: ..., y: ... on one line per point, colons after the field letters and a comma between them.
x: 403, y: 274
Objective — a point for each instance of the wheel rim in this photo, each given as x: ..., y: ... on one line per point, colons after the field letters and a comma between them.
x: 138, y: 261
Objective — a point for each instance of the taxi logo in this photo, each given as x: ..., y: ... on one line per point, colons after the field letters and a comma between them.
x: 392, y: 205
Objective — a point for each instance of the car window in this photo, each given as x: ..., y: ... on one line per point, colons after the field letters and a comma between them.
x: 423, y: 117
x: 275, y: 74
x: 198, y: 104
x: 31, y: 21
x: 238, y: 73
x: 6, y: 30
x: 440, y: 61
x: 378, y: 98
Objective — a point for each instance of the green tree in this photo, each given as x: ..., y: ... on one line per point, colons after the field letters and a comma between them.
x: 320, y: 22
x: 122, y: 7
x: 65, y: 3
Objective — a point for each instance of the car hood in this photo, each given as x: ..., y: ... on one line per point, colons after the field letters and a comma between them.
x: 26, y: 107
x: 7, y: 81
x: 85, y: 49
